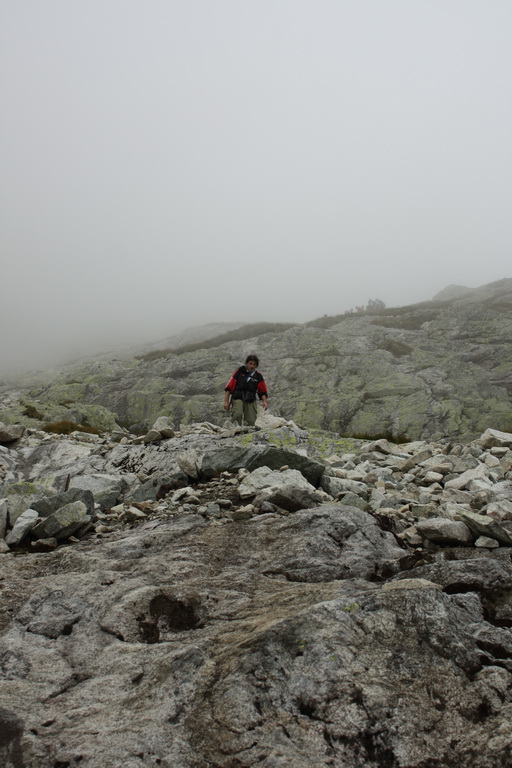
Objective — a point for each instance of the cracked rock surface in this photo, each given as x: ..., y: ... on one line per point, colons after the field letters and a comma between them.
x: 225, y: 612
x: 272, y: 641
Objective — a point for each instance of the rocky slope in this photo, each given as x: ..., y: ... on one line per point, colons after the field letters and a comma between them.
x: 229, y: 598
x: 439, y: 369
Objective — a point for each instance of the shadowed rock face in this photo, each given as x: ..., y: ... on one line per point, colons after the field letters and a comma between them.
x: 439, y: 369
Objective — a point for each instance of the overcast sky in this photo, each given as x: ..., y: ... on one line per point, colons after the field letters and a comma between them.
x: 167, y: 163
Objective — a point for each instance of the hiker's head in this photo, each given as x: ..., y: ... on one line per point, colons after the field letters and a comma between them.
x: 252, y: 362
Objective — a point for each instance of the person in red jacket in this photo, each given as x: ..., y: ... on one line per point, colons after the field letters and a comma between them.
x: 244, y: 386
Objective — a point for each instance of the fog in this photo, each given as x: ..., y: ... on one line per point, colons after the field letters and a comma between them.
x: 170, y: 163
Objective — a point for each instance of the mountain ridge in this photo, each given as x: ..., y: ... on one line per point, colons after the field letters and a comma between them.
x: 436, y: 369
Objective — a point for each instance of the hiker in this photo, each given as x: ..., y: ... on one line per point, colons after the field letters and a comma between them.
x: 241, y: 391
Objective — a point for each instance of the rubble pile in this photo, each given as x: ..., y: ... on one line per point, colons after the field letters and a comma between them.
x: 426, y: 493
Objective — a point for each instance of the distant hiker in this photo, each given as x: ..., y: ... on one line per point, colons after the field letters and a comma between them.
x: 241, y: 391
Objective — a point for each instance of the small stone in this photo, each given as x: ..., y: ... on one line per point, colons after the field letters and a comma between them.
x: 500, y: 510
x: 104, y: 529
x: 63, y: 522
x: 243, y: 513
x: 25, y: 523
x: 461, y: 481
x: 432, y: 477
x: 133, y: 515
x: 445, y: 531
x: 486, y: 542
x: 494, y: 438
x: 164, y: 426
x: 212, y: 509
x: 411, y: 536
x: 268, y: 508
x: 182, y: 493
x: 486, y: 526
x: 188, y: 462
x: 225, y: 503
x: 10, y: 432
x: 353, y: 500
x: 153, y: 436
x: 45, y: 545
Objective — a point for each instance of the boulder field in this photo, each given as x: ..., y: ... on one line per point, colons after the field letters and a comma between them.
x: 214, y: 597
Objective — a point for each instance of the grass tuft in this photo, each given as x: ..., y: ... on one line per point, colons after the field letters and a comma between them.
x: 32, y: 413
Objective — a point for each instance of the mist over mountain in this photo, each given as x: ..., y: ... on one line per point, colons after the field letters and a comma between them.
x: 438, y: 369
x: 60, y: 333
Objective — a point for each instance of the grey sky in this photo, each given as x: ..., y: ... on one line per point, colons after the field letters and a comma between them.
x: 172, y: 162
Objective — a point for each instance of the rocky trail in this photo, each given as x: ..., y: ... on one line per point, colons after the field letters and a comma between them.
x: 213, y: 597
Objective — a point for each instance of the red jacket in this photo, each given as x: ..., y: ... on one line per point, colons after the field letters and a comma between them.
x: 245, y: 386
